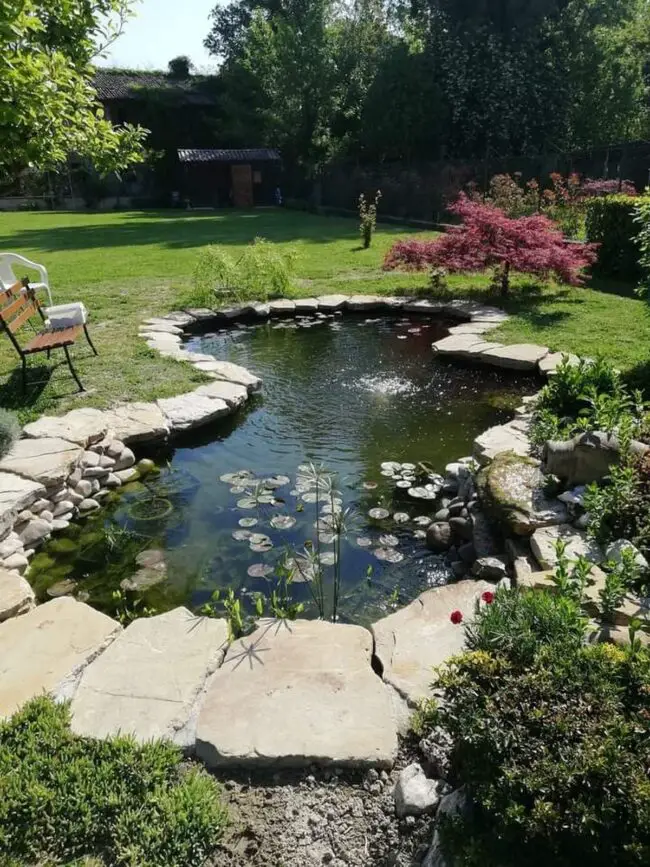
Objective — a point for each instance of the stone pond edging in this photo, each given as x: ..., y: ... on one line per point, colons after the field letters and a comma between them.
x: 174, y: 675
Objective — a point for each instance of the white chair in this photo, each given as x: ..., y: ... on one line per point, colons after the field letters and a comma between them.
x: 8, y: 278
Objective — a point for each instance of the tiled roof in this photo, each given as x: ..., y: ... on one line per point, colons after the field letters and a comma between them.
x: 213, y: 155
x: 125, y: 84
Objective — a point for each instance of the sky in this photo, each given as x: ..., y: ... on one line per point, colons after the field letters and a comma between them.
x: 160, y: 30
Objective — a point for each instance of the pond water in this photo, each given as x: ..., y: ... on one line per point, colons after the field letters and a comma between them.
x: 346, y: 394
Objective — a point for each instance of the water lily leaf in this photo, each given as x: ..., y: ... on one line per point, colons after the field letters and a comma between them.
x: 401, y: 517
x: 247, y: 522
x: 266, y: 499
x: 247, y: 503
x: 393, y: 466
x: 276, y: 481
x: 238, y: 489
x: 390, y: 555
x: 408, y: 466
x: 422, y: 520
x: 259, y: 538
x: 301, y: 570
x: 310, y: 497
x: 364, y: 542
x: 259, y: 570
x: 369, y: 486
x: 335, y: 506
x: 378, y: 514
x: 388, y: 473
x: 419, y: 534
x: 241, y: 535
x: 328, y: 558
x: 423, y: 493
x: 261, y: 547
x: 326, y: 538
x: 388, y: 541
x: 282, y: 522
x: 403, y: 483
x: 241, y: 477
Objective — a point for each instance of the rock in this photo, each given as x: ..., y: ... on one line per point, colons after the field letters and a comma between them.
x: 233, y: 394
x: 46, y: 516
x: 282, y: 307
x: 512, y: 494
x: 81, y: 426
x: 189, y: 411
x: 88, y: 505
x: 40, y: 505
x: 520, y: 356
x: 149, y: 681
x: 365, y: 302
x: 306, y: 305
x: 74, y: 497
x: 438, y: 537
x: 89, y: 459
x: 619, y: 635
x: 107, y: 462
x: 114, y: 448
x: 75, y: 477
x: 490, y: 568
x: 124, y: 460
x: 331, y: 302
x: 95, y: 473
x: 84, y: 488
x: 415, y: 639
x: 62, y: 523
x: 460, y: 568
x: 463, y: 346
x: 95, y: 486
x: 112, y: 481
x: 137, y: 422
x: 414, y: 793
x: 510, y: 437
x: 549, y: 364
x: 17, y: 562
x: 41, y: 649
x: 10, y: 544
x: 182, y: 318
x: 47, y: 461
x: 544, y: 540
x: 25, y: 516
x: 455, y: 804
x: 461, y: 528
x: 467, y: 552
x: 230, y: 372
x: 485, y: 544
x: 126, y: 476
x: 441, y: 516
x: 472, y: 328
x: 587, y: 457
x: 161, y: 325
x: 34, y: 532
x: 310, y: 696
x: 16, y: 596
x: 615, y: 553
x: 425, y: 307
x: 145, y: 577
x: 261, y: 310
x: 437, y: 747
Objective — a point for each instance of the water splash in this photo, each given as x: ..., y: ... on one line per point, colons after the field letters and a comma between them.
x: 386, y: 385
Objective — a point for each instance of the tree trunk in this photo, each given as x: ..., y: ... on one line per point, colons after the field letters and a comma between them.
x: 505, y: 280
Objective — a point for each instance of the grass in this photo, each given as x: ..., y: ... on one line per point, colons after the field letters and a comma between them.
x: 126, y: 266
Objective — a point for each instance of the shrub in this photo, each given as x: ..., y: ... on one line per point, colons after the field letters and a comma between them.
x: 641, y: 218
x: 9, y: 431
x: 610, y: 224
x: 488, y: 238
x: 368, y: 218
x: 63, y: 797
x: 263, y: 270
x: 553, y: 745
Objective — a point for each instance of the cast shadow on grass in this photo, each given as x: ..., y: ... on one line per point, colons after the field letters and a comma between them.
x: 12, y: 395
x: 639, y: 377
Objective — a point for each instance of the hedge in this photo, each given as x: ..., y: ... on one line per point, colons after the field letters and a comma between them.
x: 610, y: 224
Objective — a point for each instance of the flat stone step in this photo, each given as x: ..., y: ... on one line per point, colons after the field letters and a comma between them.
x: 192, y: 410
x: 233, y: 393
x: 16, y: 494
x: 148, y: 682
x: 41, y: 650
x: 463, y: 346
x: 137, y: 422
x: 16, y: 596
x: 331, y: 302
x: 509, y: 437
x: 230, y: 372
x: 518, y: 356
x: 295, y: 693
x: 415, y: 639
x: 543, y: 544
x: 47, y: 460
x: 82, y: 426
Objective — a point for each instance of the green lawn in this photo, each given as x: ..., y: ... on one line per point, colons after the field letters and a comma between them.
x: 129, y: 265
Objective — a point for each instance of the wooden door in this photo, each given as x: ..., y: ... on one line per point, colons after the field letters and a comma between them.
x: 242, y: 186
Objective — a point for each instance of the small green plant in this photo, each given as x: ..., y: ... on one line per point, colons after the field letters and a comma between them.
x: 9, y: 431
x: 438, y: 281
x: 571, y: 582
x: 228, y: 603
x: 65, y: 797
x: 129, y: 608
x: 621, y: 577
x: 368, y: 218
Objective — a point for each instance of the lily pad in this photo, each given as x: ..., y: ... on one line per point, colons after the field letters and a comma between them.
x: 390, y: 555
x: 401, y: 517
x: 326, y: 538
x: 247, y: 522
x: 261, y: 547
x: 408, y: 466
x: 247, y: 503
x: 388, y: 541
x: 423, y: 493
x: 419, y: 534
x: 259, y: 570
x: 311, y: 497
x: 241, y: 477
x: 238, y: 489
x: 266, y: 499
x: 301, y: 570
x: 422, y: 520
x: 328, y: 558
x: 241, y: 535
x: 276, y: 481
x: 61, y: 588
x: 378, y: 514
x: 369, y: 486
x: 364, y: 542
x: 403, y: 483
x: 388, y: 473
x: 393, y: 466
x: 283, y: 522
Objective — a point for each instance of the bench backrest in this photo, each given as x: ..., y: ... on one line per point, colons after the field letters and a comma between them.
x: 18, y: 304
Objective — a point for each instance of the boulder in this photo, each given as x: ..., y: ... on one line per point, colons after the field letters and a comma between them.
x: 233, y: 394
x: 543, y: 544
x: 124, y: 460
x: 47, y: 460
x: 512, y: 494
x: 16, y: 494
x: 615, y: 551
x: 490, y: 568
x: 231, y: 373
x: 510, y: 437
x: 455, y: 804
x: 36, y: 530
x: 414, y: 793
x: 16, y: 596
x: 294, y: 693
x: 82, y: 426
x: 149, y: 681
x: 439, y: 537
x: 137, y: 422
x: 42, y: 649
x: 586, y: 458
x: 192, y: 410
x: 415, y: 639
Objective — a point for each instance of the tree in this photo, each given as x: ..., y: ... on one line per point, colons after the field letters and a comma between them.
x: 487, y: 238
x: 48, y: 106
x: 179, y: 67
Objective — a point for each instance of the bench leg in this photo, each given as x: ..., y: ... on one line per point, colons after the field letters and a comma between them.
x: 72, y: 370
x: 92, y: 345
x: 24, y: 360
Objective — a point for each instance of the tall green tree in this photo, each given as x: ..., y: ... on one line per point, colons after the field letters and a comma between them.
x: 48, y: 107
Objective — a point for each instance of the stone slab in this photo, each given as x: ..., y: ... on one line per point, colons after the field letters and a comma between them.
x: 234, y: 394
x: 295, y: 693
x: 16, y: 596
x: 509, y: 437
x: 148, y: 682
x: 282, y: 307
x: 306, y: 305
x: 415, y: 639
x: 365, y: 302
x: 198, y: 314
x: 231, y: 373
x: 47, y: 460
x: 16, y: 494
x: 425, y: 307
x: 192, y: 410
x: 137, y: 422
x: 47, y: 646
x: 550, y: 363
x: 82, y: 426
x: 463, y: 346
x: 161, y: 325
x: 471, y: 328
x: 518, y: 356
x: 544, y: 540
x: 331, y: 302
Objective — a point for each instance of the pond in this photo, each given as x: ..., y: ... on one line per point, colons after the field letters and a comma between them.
x: 223, y: 509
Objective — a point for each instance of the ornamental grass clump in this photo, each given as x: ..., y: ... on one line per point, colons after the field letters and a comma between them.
x: 9, y: 431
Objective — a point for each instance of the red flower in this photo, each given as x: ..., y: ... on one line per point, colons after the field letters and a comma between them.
x: 456, y: 617
x: 488, y: 597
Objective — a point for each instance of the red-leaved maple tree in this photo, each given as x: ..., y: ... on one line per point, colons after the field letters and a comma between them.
x: 487, y: 238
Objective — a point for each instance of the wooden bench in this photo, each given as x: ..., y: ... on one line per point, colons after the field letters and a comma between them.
x: 18, y: 306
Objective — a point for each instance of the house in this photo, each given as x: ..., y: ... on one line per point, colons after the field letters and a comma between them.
x: 241, y: 177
